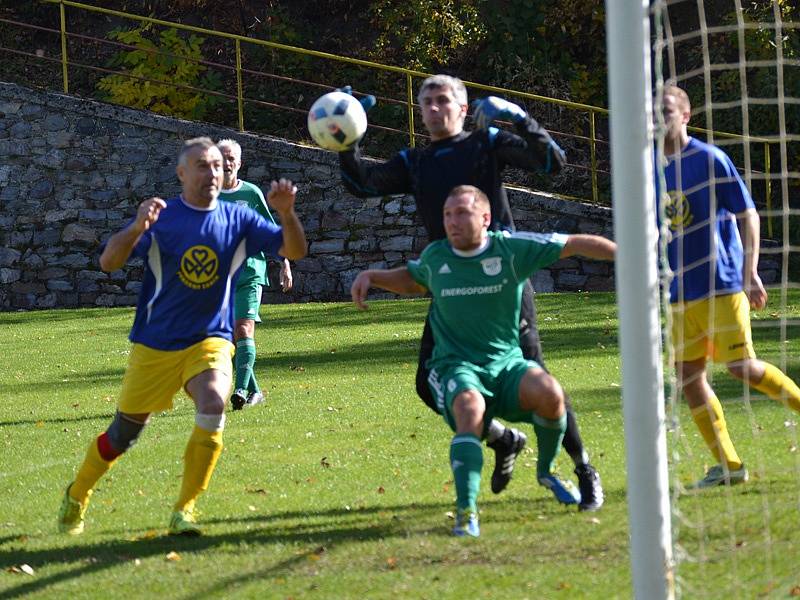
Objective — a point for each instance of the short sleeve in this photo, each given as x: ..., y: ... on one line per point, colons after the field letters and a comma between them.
x: 419, y: 271
x: 262, y: 236
x: 534, y: 251
x: 732, y: 192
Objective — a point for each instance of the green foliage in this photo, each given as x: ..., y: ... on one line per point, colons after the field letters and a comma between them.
x: 553, y: 47
x: 154, y: 69
x: 425, y: 34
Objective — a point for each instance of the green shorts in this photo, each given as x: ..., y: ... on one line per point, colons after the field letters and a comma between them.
x: 498, y: 384
x: 247, y: 300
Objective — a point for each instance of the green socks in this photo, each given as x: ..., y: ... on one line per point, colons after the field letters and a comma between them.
x: 466, y: 460
x: 549, y: 433
x: 243, y: 360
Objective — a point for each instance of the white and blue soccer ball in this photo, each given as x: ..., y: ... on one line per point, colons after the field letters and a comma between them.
x: 336, y: 121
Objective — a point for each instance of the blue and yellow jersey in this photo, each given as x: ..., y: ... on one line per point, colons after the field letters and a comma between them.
x: 704, y: 195
x: 192, y: 257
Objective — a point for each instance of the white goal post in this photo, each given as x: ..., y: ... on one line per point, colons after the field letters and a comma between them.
x: 633, y: 192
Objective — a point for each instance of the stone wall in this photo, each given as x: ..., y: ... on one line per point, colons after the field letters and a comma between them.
x: 73, y: 171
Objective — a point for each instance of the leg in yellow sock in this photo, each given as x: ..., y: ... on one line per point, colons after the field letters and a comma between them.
x: 707, y: 412
x: 710, y: 420
x: 93, y: 468
x: 200, y: 458
x: 776, y: 385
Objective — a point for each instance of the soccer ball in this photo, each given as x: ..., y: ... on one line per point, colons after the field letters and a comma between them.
x: 336, y: 121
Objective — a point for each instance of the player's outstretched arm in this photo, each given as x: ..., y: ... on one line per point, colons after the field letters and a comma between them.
x: 120, y: 245
x: 281, y: 197
x: 590, y: 246
x: 750, y: 232
x: 397, y: 280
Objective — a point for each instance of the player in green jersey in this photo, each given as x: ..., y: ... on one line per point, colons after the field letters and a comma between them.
x: 478, y: 371
x: 247, y: 300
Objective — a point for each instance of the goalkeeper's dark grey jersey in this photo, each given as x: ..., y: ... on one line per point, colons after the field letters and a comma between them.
x: 476, y: 299
x: 469, y: 158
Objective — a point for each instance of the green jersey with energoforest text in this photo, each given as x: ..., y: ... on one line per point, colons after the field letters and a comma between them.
x: 477, y: 298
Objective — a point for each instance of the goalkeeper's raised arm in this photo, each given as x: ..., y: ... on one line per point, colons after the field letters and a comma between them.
x: 532, y: 148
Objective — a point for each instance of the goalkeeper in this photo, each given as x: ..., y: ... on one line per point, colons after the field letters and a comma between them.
x: 457, y: 157
x: 478, y: 370
x: 707, y: 200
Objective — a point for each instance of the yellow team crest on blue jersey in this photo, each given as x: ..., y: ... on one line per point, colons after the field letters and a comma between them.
x: 678, y: 210
x: 199, y: 267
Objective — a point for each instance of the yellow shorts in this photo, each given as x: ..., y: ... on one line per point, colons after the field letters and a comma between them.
x: 728, y: 339
x: 153, y: 377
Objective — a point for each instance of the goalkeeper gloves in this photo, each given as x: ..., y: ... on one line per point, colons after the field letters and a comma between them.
x: 367, y: 101
x: 490, y: 108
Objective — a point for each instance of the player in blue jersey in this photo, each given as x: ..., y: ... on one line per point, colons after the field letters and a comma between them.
x: 246, y: 391
x: 478, y: 370
x: 192, y: 246
x: 713, y: 254
x: 458, y: 157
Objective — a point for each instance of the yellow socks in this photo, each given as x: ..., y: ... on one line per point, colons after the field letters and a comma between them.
x: 200, y: 458
x: 710, y: 421
x: 779, y: 387
x: 93, y: 468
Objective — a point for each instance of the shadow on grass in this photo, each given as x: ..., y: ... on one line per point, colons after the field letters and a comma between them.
x: 62, y: 315
x: 349, y: 356
x: 345, y: 314
x: 319, y: 532
x: 73, y: 381
x: 322, y: 530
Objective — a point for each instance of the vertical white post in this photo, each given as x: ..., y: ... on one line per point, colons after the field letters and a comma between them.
x: 628, y: 35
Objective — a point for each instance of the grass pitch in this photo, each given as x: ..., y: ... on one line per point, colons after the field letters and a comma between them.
x: 339, y: 486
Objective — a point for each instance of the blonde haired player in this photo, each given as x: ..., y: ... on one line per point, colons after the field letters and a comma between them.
x: 714, y: 258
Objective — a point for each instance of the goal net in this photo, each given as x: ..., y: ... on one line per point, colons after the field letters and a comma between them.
x: 739, y: 63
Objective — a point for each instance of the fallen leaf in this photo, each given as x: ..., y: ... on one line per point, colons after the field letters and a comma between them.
x: 391, y: 562
x: 324, y: 462
x: 381, y: 490
x: 251, y: 508
x: 27, y: 569
x: 795, y: 591
x: 173, y: 556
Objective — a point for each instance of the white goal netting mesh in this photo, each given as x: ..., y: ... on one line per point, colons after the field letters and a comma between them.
x: 739, y: 62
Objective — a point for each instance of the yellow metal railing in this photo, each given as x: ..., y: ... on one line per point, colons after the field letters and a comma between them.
x: 591, y: 111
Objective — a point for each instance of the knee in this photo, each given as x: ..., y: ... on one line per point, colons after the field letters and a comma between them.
x: 468, y: 411
x: 123, y: 432
x: 211, y: 404
x: 244, y: 328
x: 551, y: 403
x: 741, y: 369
